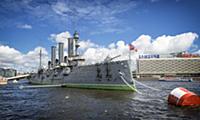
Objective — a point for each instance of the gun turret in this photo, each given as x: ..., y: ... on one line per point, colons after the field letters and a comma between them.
x: 109, y: 59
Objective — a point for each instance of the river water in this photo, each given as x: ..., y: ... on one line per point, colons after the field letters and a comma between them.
x: 82, y: 104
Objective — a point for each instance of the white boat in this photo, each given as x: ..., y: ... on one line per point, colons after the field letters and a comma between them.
x: 175, y: 79
x: 3, y: 81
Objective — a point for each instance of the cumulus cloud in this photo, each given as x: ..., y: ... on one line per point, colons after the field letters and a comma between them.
x: 99, y: 54
x: 12, y: 58
x: 93, y: 52
x: 145, y: 44
x: 165, y: 44
x: 63, y: 37
x: 84, y: 44
x: 25, y: 26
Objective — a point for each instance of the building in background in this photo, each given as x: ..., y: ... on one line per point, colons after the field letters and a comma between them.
x: 8, y: 72
x: 185, y: 65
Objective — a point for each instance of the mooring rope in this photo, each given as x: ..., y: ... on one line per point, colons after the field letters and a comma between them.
x: 130, y: 86
x: 147, y: 86
x: 122, y: 75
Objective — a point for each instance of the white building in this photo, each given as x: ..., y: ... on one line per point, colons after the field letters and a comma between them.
x: 185, y: 67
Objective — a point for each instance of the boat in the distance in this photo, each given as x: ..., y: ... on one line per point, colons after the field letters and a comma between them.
x: 175, y: 79
x: 69, y: 71
x: 3, y: 81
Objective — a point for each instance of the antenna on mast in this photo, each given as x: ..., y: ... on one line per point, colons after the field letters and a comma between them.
x: 40, y: 65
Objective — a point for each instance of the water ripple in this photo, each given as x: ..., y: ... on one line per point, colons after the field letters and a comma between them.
x: 65, y: 103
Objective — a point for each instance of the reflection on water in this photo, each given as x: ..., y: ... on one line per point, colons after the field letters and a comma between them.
x: 66, y: 103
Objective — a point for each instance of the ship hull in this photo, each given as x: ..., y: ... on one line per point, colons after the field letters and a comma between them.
x: 99, y: 76
x: 98, y: 86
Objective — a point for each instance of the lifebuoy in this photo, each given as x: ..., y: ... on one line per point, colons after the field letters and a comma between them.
x: 183, y: 97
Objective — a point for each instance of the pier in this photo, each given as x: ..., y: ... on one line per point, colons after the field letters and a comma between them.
x: 18, y: 77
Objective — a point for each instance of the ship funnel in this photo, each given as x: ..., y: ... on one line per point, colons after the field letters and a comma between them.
x: 61, y: 52
x: 53, y: 56
x: 73, y: 45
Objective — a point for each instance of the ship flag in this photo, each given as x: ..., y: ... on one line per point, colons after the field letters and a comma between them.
x: 132, y: 47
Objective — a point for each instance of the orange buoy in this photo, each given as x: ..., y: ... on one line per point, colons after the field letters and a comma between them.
x: 183, y: 97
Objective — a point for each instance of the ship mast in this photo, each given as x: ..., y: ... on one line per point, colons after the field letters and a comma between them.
x: 40, y: 64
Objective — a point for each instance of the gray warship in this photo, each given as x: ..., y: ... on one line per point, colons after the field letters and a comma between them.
x: 69, y: 71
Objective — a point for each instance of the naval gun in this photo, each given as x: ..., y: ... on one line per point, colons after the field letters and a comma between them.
x: 109, y: 59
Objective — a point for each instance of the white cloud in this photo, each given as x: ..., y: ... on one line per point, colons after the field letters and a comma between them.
x: 92, y: 52
x: 61, y: 37
x: 12, y: 58
x: 165, y: 44
x: 98, y: 54
x: 145, y: 44
x: 84, y: 44
x: 112, y: 45
x: 9, y: 55
x: 25, y: 26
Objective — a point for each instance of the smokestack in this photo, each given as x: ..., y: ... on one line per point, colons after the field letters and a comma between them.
x: 61, y: 52
x: 53, y: 56
x: 71, y: 47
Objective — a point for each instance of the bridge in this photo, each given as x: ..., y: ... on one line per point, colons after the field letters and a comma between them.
x: 18, y: 77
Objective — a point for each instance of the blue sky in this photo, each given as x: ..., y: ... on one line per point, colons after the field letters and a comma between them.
x: 102, y: 21
x: 104, y: 25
